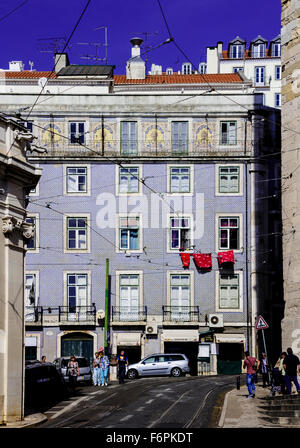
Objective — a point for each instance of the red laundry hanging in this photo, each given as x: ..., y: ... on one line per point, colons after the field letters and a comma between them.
x: 203, y: 261
x: 185, y: 259
x: 226, y: 257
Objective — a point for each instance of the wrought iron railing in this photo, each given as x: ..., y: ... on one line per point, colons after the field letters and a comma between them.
x: 129, y: 314
x: 180, y: 313
x: 34, y: 314
x: 75, y: 314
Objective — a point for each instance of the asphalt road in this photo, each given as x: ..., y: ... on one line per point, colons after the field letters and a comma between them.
x: 186, y: 402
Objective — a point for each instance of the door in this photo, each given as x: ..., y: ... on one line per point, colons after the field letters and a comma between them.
x: 230, y: 359
x: 164, y: 365
x: 79, y: 345
x: 30, y: 297
x: 129, y: 298
x: 180, y: 298
x: 149, y: 366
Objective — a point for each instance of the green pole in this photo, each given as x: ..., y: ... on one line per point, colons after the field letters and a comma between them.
x: 106, y: 306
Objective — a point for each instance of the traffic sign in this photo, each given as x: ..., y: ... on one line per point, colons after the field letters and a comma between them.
x: 261, y: 324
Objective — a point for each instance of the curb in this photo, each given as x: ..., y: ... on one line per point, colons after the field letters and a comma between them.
x: 29, y: 422
x: 224, y: 409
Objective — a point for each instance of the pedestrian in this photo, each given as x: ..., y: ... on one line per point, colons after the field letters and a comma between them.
x: 252, y: 365
x: 291, y: 363
x: 43, y: 359
x: 96, y: 369
x: 73, y: 372
x: 264, y: 369
x: 104, y: 366
x: 122, y: 364
x: 282, y: 372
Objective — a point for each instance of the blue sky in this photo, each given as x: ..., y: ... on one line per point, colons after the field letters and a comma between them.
x: 195, y: 24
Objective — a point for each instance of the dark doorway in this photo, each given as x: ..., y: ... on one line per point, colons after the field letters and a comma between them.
x: 78, y: 344
x: 30, y: 353
x: 189, y: 349
x: 131, y: 352
x: 230, y: 359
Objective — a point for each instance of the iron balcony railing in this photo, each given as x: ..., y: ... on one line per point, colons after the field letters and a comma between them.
x: 74, y: 314
x: 34, y: 314
x: 129, y: 314
x: 180, y: 313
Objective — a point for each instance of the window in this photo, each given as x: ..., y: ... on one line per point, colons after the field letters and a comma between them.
x: 129, y: 233
x: 129, y: 297
x: 238, y: 69
x: 30, y: 296
x: 179, y: 136
x: 260, y: 75
x: 277, y: 99
x: 180, y: 233
x: 31, y: 244
x: 187, y: 69
x: 278, y: 72
x: 202, y: 68
x: 76, y: 180
x: 77, y: 291
x: 236, y: 51
x: 180, y: 178
x: 229, y: 295
x: 276, y: 50
x: 229, y: 179
x: 229, y: 232
x: 129, y: 180
x: 228, y: 133
x: 77, y: 233
x: 149, y: 360
x: 180, y: 297
x: 77, y: 132
x: 129, y: 137
x: 169, y: 71
x: 27, y: 124
x: 259, y: 51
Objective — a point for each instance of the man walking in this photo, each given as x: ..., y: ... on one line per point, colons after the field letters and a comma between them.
x: 264, y: 369
x: 290, y: 364
x: 122, y: 364
x: 252, y: 365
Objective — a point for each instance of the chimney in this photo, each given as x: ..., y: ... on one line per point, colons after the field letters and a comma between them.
x: 136, y: 67
x: 16, y: 66
x: 61, y: 61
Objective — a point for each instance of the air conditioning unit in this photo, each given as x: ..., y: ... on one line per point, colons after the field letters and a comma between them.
x: 100, y: 314
x: 216, y: 320
x: 151, y: 328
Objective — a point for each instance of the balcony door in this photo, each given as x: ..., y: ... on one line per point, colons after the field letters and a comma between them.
x: 180, y: 297
x: 129, y: 297
x: 77, y: 297
x: 30, y: 297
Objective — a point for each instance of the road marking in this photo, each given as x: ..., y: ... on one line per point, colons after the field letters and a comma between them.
x: 141, y: 408
x: 168, y: 410
x: 98, y: 392
x: 198, y: 410
x: 126, y: 418
x: 159, y: 395
x: 149, y: 401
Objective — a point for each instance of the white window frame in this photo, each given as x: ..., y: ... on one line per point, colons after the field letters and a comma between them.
x: 186, y: 68
x: 118, y: 241
x: 180, y: 215
x: 191, y: 168
x: 260, y: 68
x: 238, y: 49
x: 37, y: 291
x: 276, y: 45
x: 38, y: 342
x: 88, y: 179
x: 241, y: 185
x: 88, y: 233
x: 241, y: 233
x: 36, y: 232
x: 37, y: 188
x: 258, y: 49
x: 238, y: 69
x: 226, y: 145
x: 191, y: 274
x: 217, y: 294
x: 77, y: 272
x: 77, y: 121
x: 280, y: 69
x: 117, y: 182
x: 133, y: 272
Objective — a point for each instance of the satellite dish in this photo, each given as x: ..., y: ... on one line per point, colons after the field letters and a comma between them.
x: 42, y: 82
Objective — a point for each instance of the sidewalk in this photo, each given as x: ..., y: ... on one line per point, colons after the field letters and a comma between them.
x: 30, y: 421
x: 242, y: 412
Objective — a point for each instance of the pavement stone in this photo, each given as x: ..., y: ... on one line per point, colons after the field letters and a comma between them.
x: 239, y: 411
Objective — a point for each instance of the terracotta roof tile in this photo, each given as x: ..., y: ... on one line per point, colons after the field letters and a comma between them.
x: 26, y: 74
x: 181, y: 79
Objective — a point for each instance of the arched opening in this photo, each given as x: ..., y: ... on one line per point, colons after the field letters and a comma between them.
x: 78, y: 344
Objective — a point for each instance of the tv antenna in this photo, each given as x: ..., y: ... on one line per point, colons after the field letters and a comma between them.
x: 88, y: 56
x: 147, y: 47
x: 105, y: 41
x: 52, y: 44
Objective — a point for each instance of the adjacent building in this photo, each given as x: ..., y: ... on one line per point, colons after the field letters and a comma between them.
x: 166, y: 176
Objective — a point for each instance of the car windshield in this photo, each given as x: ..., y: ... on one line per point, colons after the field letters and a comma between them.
x: 82, y: 362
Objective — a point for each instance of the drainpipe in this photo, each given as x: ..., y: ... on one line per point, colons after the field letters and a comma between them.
x: 247, y: 239
x: 106, y: 306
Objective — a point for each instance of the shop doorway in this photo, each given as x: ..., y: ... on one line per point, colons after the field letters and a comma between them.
x: 78, y: 344
x: 230, y: 359
x: 30, y: 353
x: 189, y: 349
x: 131, y: 352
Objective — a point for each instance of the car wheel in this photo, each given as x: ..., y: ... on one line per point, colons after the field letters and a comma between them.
x: 132, y: 374
x: 176, y: 372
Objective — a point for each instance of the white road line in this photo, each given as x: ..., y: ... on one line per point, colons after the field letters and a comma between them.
x: 70, y: 406
x: 141, y: 408
x: 168, y: 410
x: 149, y: 401
x: 126, y: 418
x: 159, y: 395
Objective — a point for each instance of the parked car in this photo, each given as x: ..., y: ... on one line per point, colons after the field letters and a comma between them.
x: 174, y: 364
x: 43, y: 384
x: 85, y: 375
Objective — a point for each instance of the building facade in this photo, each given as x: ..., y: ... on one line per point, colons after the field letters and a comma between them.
x: 163, y: 176
x: 290, y: 172
x: 260, y: 62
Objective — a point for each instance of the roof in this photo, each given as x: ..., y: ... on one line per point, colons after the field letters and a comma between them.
x: 181, y: 79
x: 26, y: 74
x: 247, y: 55
x: 86, y: 70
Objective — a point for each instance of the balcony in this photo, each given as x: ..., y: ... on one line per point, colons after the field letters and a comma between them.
x: 180, y: 314
x: 60, y: 315
x: 34, y: 315
x: 129, y: 315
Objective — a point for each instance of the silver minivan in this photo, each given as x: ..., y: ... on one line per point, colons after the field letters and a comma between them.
x: 174, y: 364
x: 85, y: 375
